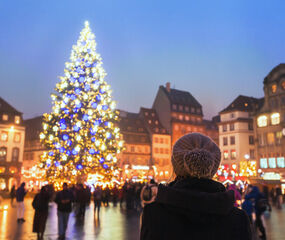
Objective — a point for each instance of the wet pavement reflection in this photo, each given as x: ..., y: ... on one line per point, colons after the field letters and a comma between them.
x: 113, y: 223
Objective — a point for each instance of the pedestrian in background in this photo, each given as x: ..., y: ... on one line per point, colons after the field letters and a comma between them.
x: 279, y: 197
x: 97, y: 198
x: 40, y: 204
x: 63, y: 200
x: 237, y: 195
x: 13, y: 194
x: 194, y: 206
x: 148, y: 192
x: 20, y: 195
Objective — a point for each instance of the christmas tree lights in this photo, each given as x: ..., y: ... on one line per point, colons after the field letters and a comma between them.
x: 81, y: 133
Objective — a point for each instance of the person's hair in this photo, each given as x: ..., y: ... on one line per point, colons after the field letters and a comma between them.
x: 64, y: 184
x: 152, y: 181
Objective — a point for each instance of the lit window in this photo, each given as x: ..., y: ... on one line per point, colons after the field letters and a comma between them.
x: 17, y: 137
x: 187, y: 109
x: 4, y: 136
x: 156, y: 140
x: 192, y: 109
x: 263, y: 163
x: 283, y: 85
x: 280, y: 162
x: 2, y: 169
x: 226, y: 155
x: 273, y: 88
x: 5, y: 117
x: 272, y: 162
x: 262, y: 121
x: 270, y: 138
x: 156, y: 122
x: 174, y: 106
x: 3, y: 153
x: 187, y: 118
x: 146, y: 113
x: 180, y: 108
x: 176, y: 127
x: 161, y: 150
x: 275, y: 118
x: 161, y: 140
x: 17, y: 119
x: 233, y: 154
x: 278, y: 137
x: 188, y: 129
x: 180, y: 117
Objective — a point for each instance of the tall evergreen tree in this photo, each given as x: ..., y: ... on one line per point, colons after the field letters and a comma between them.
x: 81, y: 133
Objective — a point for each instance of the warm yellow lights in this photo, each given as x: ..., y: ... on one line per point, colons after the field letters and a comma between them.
x: 275, y: 118
x: 262, y: 121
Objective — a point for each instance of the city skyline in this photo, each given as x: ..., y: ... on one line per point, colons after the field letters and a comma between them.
x: 143, y: 45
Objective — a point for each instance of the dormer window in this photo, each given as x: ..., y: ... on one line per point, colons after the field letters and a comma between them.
x: 17, y: 119
x: 180, y: 108
x: 274, y: 88
x: 5, y: 117
x: 187, y: 109
x: 174, y: 106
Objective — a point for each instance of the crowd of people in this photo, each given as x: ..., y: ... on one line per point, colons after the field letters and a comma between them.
x: 192, y: 205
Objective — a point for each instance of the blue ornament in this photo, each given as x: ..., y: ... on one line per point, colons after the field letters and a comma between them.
x: 93, y: 139
x: 89, y: 50
x: 92, y: 151
x: 66, y: 111
x: 105, y: 166
x: 77, y: 91
x: 76, y: 128
x: 62, y: 126
x: 98, y: 97
x: 72, y: 97
x: 87, y: 87
x: 74, y: 152
x: 92, y: 131
x: 79, y: 105
x: 101, y: 160
x: 94, y: 105
x: 106, y: 123
x: 79, y: 167
x: 48, y: 165
x: 72, y: 79
x: 56, y: 164
x: 83, y: 43
x: 65, y: 137
x: 78, y: 69
x: 75, y: 110
x: 62, y: 121
x: 87, y: 64
x: 85, y: 117
x: 81, y: 79
x: 97, y: 122
x: 68, y: 152
x: 51, y: 153
x: 61, y: 150
x: 102, y: 91
x: 105, y: 107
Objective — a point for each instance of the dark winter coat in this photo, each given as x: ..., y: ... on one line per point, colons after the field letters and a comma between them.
x: 20, y: 194
x: 64, y: 200
x: 196, y: 209
x: 255, y: 195
x: 40, y: 204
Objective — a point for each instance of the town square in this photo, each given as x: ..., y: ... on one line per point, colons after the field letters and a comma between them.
x: 142, y: 120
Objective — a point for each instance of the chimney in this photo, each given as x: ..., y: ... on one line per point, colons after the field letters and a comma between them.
x: 167, y: 86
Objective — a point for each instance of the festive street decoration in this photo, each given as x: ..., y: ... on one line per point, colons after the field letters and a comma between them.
x: 81, y: 133
x: 248, y: 168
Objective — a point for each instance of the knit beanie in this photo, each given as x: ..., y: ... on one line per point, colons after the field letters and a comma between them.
x: 195, y: 155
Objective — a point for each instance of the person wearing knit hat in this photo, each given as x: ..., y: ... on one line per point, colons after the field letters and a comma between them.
x: 194, y: 206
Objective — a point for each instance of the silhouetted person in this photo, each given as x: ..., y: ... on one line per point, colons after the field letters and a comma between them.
x: 63, y: 200
x: 40, y: 204
x: 13, y: 194
x: 20, y: 195
x: 97, y: 198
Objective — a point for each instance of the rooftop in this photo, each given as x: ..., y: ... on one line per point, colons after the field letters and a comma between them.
x: 7, y: 108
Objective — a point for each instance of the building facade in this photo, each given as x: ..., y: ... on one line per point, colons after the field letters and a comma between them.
x: 12, y: 137
x: 236, y: 133
x: 179, y: 112
x: 269, y: 125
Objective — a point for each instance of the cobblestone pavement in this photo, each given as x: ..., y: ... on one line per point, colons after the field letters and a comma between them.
x: 114, y: 223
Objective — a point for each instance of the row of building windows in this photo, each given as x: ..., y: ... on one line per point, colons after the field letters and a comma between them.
x: 270, y: 138
x: 186, y: 118
x: 11, y: 170
x: 29, y: 156
x: 161, y: 140
x: 262, y: 121
x: 186, y: 108
x: 161, y: 150
x: 15, y: 154
x: 272, y: 162
x: 233, y: 155
x: 4, y: 137
x: 231, y: 127
x: 139, y: 149
x: 17, y: 119
x: 233, y: 140
x: 187, y: 129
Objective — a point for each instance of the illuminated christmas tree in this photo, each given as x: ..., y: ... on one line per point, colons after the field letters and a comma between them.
x: 81, y: 134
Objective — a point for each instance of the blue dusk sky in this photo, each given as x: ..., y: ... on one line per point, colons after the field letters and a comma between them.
x: 214, y: 49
